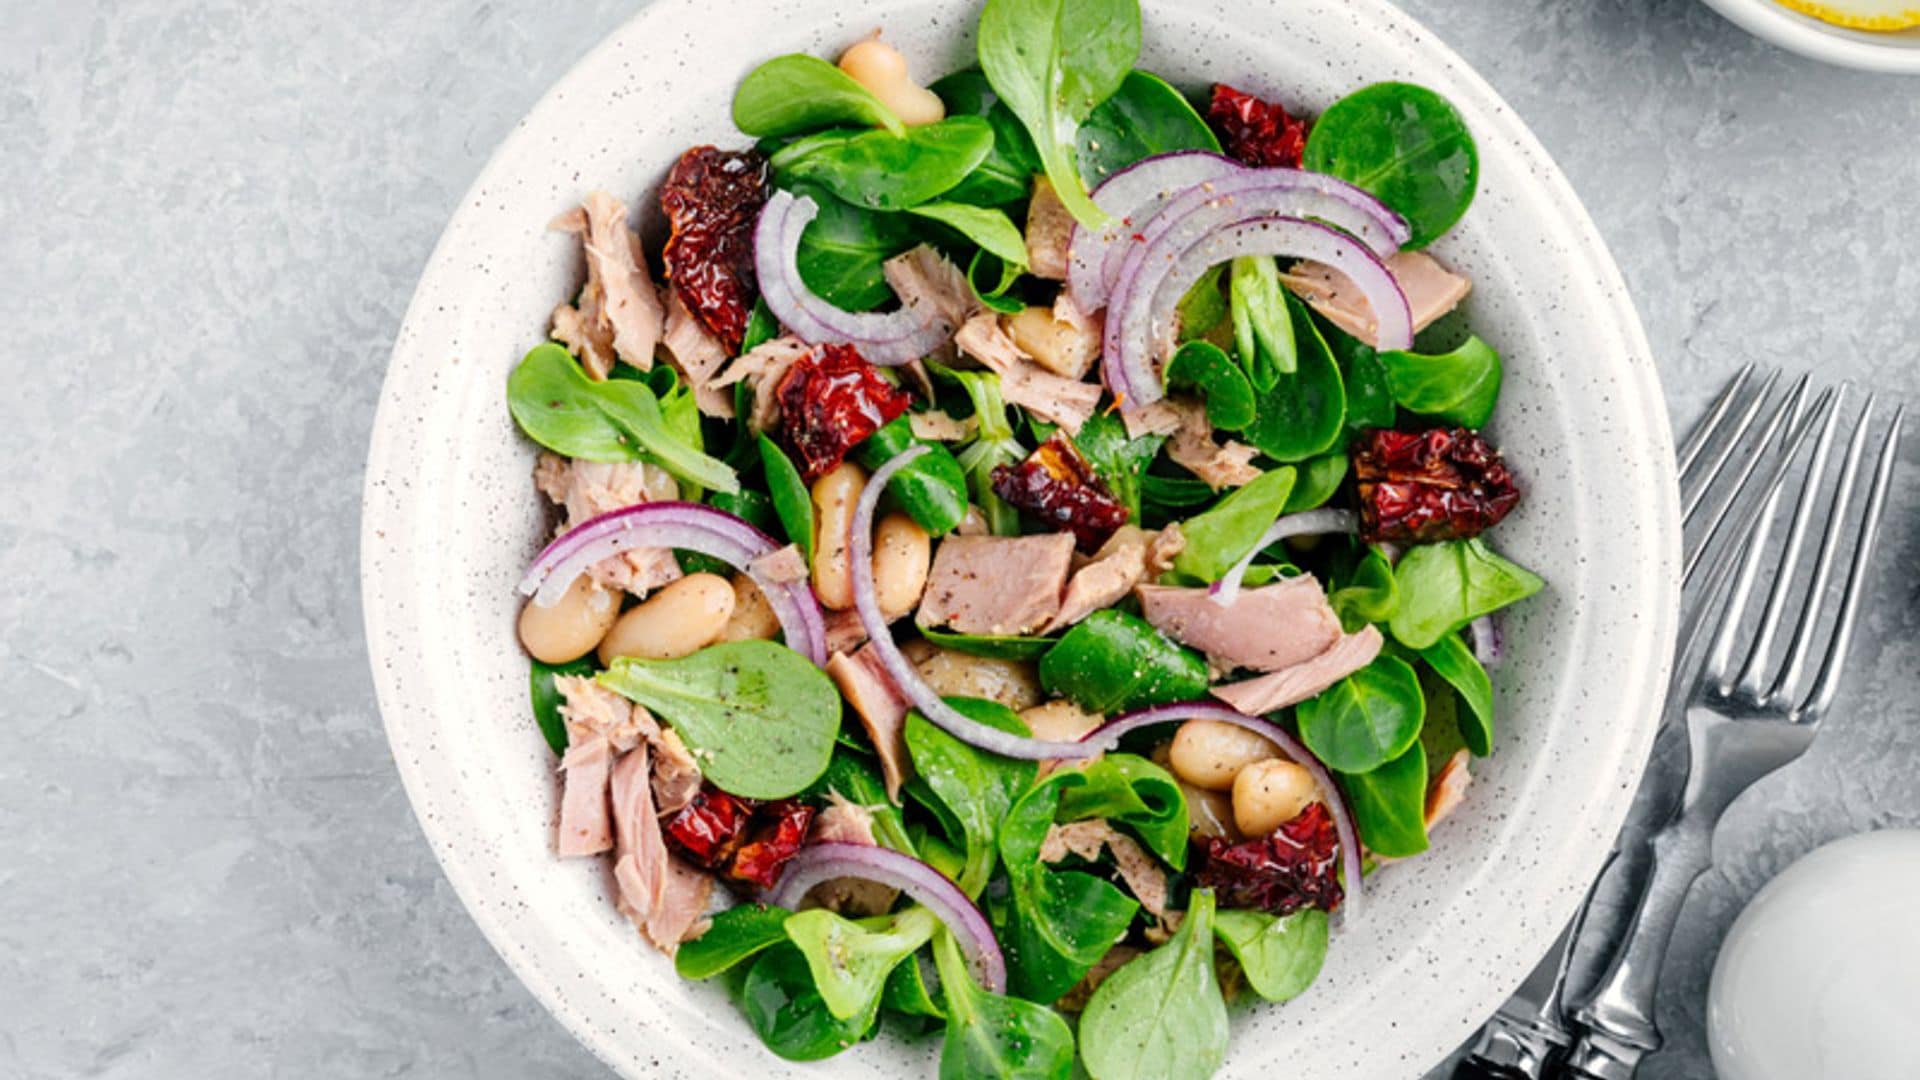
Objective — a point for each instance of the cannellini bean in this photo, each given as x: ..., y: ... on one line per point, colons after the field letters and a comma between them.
x: 1210, y: 814
x: 1013, y: 683
x: 834, y: 496
x: 880, y: 68
x: 572, y: 626
x: 1209, y: 754
x: 1268, y: 794
x: 753, y: 618
x: 679, y: 620
x: 902, y: 554
x: 1058, y: 346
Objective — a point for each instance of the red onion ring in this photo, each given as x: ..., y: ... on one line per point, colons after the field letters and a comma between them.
x: 901, y: 670
x: 1107, y: 736
x: 816, y: 863
x: 1140, y: 323
x: 1306, y: 523
x: 887, y: 338
x: 691, y: 527
x: 1133, y: 196
x: 1488, y: 642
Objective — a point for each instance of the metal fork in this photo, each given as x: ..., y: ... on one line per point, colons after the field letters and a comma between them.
x: 1745, y: 720
x: 1724, y: 449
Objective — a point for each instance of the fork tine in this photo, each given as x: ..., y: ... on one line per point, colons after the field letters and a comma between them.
x: 1702, y: 432
x: 1828, y: 682
x: 1717, y: 674
x: 1776, y: 422
x: 1760, y: 657
x: 1741, y: 426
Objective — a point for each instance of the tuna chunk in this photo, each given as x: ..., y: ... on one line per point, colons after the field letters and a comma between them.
x: 586, y: 827
x: 1049, y: 228
x: 699, y: 356
x: 924, y: 279
x: 1119, y: 565
x: 588, y: 489
x: 591, y: 709
x: 1192, y: 448
x: 1290, y: 686
x: 762, y: 368
x: 881, y: 709
x: 619, y: 303
x: 1002, y: 585
x: 1432, y: 291
x: 1269, y: 628
x: 1448, y: 790
x: 1144, y: 878
x: 664, y: 897
x: 1067, y: 402
x: 844, y: 822
x: 676, y: 776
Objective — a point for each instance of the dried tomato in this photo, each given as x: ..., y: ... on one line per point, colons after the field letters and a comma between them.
x: 1257, y: 132
x: 1443, y: 484
x: 712, y: 199
x: 1056, y: 485
x: 761, y: 859
x: 708, y: 829
x: 1295, y: 867
x: 831, y: 400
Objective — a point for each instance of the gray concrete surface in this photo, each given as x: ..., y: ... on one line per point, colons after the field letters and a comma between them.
x: 211, y: 217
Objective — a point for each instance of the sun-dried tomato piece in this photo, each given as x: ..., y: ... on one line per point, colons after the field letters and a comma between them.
x: 1056, y: 485
x: 781, y: 830
x: 1295, y: 867
x: 712, y: 199
x: 710, y: 828
x: 1260, y: 133
x: 1443, y: 484
x: 829, y: 401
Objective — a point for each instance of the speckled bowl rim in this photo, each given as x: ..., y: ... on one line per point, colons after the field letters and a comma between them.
x: 1425, y: 990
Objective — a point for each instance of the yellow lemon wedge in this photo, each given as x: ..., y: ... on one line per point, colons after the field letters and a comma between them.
x: 1860, y: 14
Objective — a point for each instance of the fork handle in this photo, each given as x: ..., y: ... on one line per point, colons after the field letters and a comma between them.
x: 1619, y: 1017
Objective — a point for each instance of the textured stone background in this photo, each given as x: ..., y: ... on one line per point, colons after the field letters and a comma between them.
x: 213, y: 217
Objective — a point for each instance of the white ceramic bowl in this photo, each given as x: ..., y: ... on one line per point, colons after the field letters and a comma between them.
x: 451, y: 519
x: 1896, y: 52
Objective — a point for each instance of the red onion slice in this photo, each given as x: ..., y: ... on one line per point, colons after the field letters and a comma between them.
x: 690, y: 527
x: 1306, y: 523
x: 1488, y: 642
x: 901, y: 670
x: 826, y: 861
x: 1140, y: 324
x: 1107, y: 736
x: 886, y: 338
x: 1132, y: 196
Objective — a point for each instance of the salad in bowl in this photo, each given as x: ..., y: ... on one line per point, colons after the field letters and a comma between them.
x: 1023, y: 554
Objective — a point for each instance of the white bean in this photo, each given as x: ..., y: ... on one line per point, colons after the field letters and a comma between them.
x: 1209, y: 754
x: 880, y: 68
x: 902, y: 554
x: 679, y: 620
x: 1268, y: 794
x: 572, y: 626
x: 834, y: 496
x: 753, y: 618
x: 1210, y: 814
x: 1013, y: 683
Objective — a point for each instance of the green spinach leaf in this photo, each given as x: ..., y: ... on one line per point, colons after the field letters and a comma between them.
x: 1223, y: 535
x: 1279, y: 956
x: 1058, y: 923
x: 1389, y: 804
x: 1452, y: 660
x: 906, y: 992
x: 1144, y: 117
x: 791, y: 94
x: 1369, y: 595
x: 851, y: 960
x: 975, y: 787
x: 853, y: 776
x: 992, y: 1035
x: 879, y: 170
x: 1113, y: 662
x: 989, y: 229
x: 931, y: 489
x: 1405, y: 144
x: 750, y: 506
x: 1006, y: 175
x: 734, y: 936
x: 1369, y: 395
x: 547, y: 698
x: 1304, y: 413
x: 1319, y: 478
x: 1459, y: 386
x: 1447, y: 585
x: 1202, y: 366
x: 1133, y: 791
x: 998, y: 648
x: 792, y: 502
x: 1366, y: 719
x: 784, y: 1008
x: 759, y: 716
x: 558, y: 407
x: 993, y: 445
x: 1204, y: 307
x: 1161, y: 1014
x: 844, y: 248
x: 1052, y: 62
x: 1262, y: 325
x: 1118, y: 460
x: 762, y: 327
